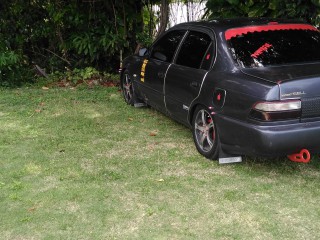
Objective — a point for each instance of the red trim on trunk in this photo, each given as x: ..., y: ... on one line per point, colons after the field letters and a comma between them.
x: 230, y: 33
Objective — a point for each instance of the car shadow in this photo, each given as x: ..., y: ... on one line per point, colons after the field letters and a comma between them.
x: 281, y: 165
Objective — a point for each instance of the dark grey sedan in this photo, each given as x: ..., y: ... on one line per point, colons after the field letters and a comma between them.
x: 244, y: 86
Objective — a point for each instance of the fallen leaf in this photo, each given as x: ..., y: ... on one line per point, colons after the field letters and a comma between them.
x: 130, y: 119
x: 45, y: 88
x: 153, y: 133
x: 32, y: 209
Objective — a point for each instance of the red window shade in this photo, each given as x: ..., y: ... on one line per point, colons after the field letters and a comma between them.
x: 230, y: 33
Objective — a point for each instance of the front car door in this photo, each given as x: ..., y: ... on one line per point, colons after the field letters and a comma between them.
x: 184, y: 78
x: 155, y: 67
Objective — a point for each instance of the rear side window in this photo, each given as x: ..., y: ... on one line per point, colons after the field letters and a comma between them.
x: 166, y: 46
x: 274, y: 45
x: 196, y: 51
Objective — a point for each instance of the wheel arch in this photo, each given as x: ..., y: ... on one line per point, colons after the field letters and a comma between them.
x: 192, y: 112
x: 202, y: 130
x: 122, y: 72
x: 124, y: 69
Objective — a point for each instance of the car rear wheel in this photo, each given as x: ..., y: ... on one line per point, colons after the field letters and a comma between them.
x: 127, y: 88
x: 205, y: 133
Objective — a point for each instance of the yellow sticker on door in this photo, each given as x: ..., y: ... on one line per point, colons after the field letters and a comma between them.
x: 143, y: 69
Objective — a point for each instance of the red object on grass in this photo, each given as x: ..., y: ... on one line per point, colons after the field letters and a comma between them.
x: 302, y: 157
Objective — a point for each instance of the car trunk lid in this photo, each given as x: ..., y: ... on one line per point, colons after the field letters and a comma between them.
x: 295, y: 82
x: 278, y: 74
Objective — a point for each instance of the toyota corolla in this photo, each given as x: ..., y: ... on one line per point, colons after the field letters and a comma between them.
x: 244, y: 86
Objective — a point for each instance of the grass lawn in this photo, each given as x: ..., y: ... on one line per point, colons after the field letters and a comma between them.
x: 81, y: 164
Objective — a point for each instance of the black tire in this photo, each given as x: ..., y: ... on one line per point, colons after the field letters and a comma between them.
x: 205, y: 134
x: 127, y: 88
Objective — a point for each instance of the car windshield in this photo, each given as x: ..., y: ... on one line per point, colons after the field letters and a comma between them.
x: 259, y: 46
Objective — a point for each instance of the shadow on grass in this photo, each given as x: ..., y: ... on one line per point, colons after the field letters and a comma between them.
x: 279, y: 165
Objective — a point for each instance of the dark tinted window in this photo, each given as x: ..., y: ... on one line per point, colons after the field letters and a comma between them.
x: 195, y: 51
x: 165, y: 48
x: 258, y: 49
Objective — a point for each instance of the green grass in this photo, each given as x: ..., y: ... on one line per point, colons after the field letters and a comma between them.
x: 81, y: 164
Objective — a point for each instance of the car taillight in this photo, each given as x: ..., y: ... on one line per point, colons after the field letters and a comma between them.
x: 277, y: 110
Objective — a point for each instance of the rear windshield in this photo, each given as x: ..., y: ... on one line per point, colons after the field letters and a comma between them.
x: 258, y: 46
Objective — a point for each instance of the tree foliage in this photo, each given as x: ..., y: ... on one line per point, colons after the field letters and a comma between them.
x: 69, y: 34
x: 308, y: 10
x: 59, y: 34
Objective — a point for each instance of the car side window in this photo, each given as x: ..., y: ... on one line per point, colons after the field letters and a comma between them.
x: 165, y: 47
x: 196, y: 51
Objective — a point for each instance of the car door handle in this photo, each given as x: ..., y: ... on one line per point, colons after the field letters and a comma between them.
x: 160, y: 74
x: 194, y: 84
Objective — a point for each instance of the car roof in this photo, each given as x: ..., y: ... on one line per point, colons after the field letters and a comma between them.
x: 224, y: 24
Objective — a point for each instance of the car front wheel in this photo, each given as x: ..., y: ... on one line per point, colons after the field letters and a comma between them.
x: 205, y: 133
x: 127, y: 88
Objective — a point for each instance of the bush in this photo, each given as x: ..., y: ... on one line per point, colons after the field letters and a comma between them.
x: 13, y: 68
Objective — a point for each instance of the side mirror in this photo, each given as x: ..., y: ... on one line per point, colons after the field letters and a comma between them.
x: 142, y: 52
x: 160, y: 56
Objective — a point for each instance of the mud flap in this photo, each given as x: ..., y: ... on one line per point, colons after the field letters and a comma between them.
x: 225, y: 158
x: 139, y: 104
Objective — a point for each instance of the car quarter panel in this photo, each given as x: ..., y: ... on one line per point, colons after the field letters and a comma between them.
x: 241, y: 92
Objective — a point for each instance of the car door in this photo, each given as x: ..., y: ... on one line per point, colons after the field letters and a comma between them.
x: 185, y: 76
x: 155, y: 67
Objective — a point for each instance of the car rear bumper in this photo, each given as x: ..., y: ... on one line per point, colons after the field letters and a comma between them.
x: 250, y: 139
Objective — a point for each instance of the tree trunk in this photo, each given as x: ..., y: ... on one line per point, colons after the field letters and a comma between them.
x: 137, y: 25
x: 164, y: 16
